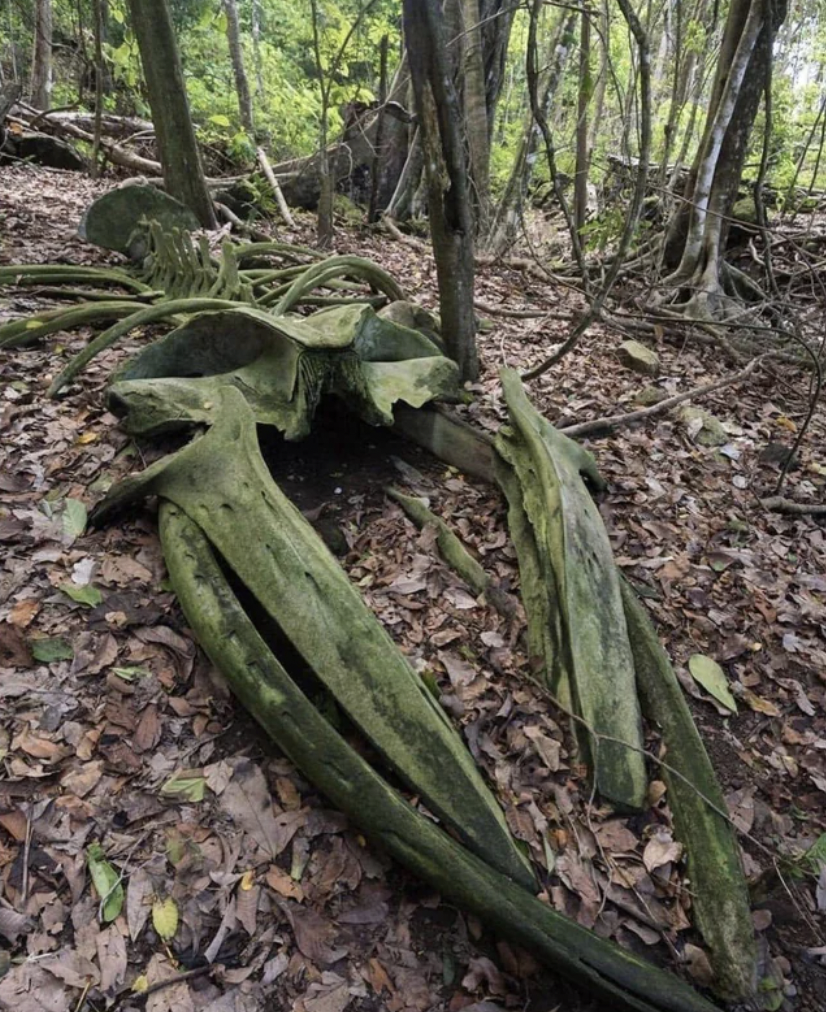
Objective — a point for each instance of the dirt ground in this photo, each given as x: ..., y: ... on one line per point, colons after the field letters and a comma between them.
x: 114, y: 728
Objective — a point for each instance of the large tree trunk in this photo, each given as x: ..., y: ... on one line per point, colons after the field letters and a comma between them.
x: 236, y: 56
x: 41, y: 83
x: 449, y: 207
x: 697, y: 232
x: 178, y: 149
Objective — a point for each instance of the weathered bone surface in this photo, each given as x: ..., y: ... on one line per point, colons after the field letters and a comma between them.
x: 222, y: 483
x: 720, y: 902
x: 622, y: 980
x: 571, y: 593
x: 283, y: 366
x: 111, y: 220
x: 241, y: 357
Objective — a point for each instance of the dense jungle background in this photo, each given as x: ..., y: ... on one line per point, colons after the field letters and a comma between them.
x: 617, y: 207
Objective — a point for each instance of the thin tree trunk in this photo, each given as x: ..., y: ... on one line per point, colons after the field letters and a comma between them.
x: 510, y: 208
x: 476, y: 114
x: 236, y: 55
x: 496, y: 20
x: 720, y: 115
x: 597, y: 126
x: 98, y: 12
x: 378, y: 159
x: 180, y: 157
x: 401, y: 202
x: 41, y: 82
x: 449, y: 207
x: 581, y: 172
x: 256, y: 49
x: 325, y: 227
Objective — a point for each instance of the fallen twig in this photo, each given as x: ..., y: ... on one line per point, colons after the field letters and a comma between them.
x: 613, y: 421
x: 276, y: 188
x: 780, y: 504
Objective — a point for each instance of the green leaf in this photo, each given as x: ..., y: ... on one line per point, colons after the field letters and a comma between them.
x: 52, y: 649
x: 87, y: 594
x: 815, y: 856
x: 710, y: 675
x: 106, y: 881
x: 219, y: 119
x: 130, y: 674
x: 74, y: 518
x: 187, y: 788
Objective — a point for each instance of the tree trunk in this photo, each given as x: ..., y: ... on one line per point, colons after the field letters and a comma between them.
x: 378, y: 158
x: 598, y: 127
x: 326, y: 182
x: 510, y: 207
x: 256, y: 49
x: 236, y: 56
x: 178, y: 149
x: 698, y: 280
x: 449, y: 207
x: 476, y: 113
x: 401, y: 203
x: 98, y: 13
x: 581, y: 172
x: 495, y: 20
x: 41, y: 83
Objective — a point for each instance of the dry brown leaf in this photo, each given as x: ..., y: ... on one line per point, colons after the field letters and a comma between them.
x: 314, y: 935
x: 84, y: 779
x: 23, y: 613
x: 14, y: 650
x: 111, y: 959
x: 138, y: 902
x: 547, y: 748
x: 323, y: 998
x: 148, y: 732
x: 661, y: 849
x: 246, y: 906
x: 484, y: 973
x: 247, y: 801
x: 173, y: 997
x: 698, y: 965
x: 616, y: 837
x: 283, y: 884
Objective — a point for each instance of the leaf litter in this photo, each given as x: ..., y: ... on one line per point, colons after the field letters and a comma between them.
x: 119, y: 735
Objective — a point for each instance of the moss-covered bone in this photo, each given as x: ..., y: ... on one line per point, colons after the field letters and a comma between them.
x: 720, y: 903
x: 571, y: 592
x: 623, y: 981
x: 222, y: 483
x: 111, y: 220
x: 283, y: 366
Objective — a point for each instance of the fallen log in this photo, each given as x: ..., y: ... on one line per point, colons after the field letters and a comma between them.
x: 117, y: 127
x: 622, y: 980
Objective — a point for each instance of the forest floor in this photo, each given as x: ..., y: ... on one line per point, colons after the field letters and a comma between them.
x: 115, y: 729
